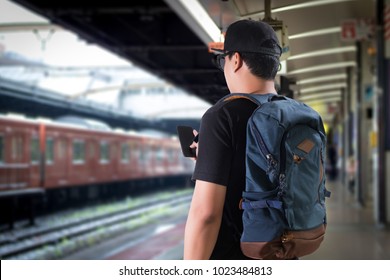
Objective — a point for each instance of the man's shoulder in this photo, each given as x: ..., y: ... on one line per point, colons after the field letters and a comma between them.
x: 240, y: 104
x: 236, y: 105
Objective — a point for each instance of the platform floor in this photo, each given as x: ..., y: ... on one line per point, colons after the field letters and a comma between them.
x: 352, y: 233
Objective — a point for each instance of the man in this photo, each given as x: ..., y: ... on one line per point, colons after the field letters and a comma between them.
x: 250, y: 61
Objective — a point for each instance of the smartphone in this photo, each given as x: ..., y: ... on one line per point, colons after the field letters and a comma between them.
x: 186, y: 137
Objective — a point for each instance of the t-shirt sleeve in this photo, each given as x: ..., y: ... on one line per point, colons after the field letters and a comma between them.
x: 214, y: 148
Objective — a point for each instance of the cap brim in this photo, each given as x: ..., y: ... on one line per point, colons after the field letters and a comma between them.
x: 218, y: 50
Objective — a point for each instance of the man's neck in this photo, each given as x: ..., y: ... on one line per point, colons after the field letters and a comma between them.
x: 263, y: 87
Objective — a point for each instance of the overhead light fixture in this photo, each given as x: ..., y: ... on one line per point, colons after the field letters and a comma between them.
x: 323, y: 52
x: 323, y: 100
x: 322, y: 79
x: 23, y: 27
x: 308, y: 4
x: 319, y: 96
x: 323, y: 87
x: 318, y: 32
x: 323, y: 67
x: 193, y: 13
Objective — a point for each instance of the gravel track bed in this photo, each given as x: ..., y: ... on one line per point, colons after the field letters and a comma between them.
x: 61, y: 234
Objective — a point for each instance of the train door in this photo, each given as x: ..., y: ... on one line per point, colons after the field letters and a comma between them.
x: 124, y: 160
x: 161, y: 166
x: 135, y: 152
x: 14, y: 167
x: 145, y: 158
x: 92, y: 160
x: 61, y: 160
x: 18, y: 175
x: 115, y: 160
x: 104, y: 159
x: 49, y: 164
x: 35, y: 160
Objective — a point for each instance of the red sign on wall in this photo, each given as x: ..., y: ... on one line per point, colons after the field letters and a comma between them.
x: 348, y: 30
x: 357, y: 29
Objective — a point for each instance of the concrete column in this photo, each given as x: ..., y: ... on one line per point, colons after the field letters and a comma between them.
x: 352, y: 126
x: 382, y: 189
x: 365, y: 126
x: 345, y: 137
x: 360, y: 176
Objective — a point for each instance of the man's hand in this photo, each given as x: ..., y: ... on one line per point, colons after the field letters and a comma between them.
x: 195, y: 145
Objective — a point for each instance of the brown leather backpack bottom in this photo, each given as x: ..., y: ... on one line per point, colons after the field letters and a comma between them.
x: 291, y: 245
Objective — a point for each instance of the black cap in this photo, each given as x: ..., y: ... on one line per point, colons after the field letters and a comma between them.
x: 249, y: 36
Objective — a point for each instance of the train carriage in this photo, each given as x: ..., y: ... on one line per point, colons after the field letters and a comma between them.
x: 83, y: 159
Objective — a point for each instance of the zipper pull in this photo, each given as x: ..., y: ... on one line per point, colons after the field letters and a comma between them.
x: 286, y: 237
x: 271, y: 159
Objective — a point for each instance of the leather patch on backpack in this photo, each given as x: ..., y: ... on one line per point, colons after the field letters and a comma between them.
x: 306, y: 145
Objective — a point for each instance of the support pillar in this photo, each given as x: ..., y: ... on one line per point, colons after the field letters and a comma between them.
x: 382, y: 193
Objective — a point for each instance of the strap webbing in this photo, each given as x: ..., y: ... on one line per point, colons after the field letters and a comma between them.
x: 258, y: 99
x: 262, y: 204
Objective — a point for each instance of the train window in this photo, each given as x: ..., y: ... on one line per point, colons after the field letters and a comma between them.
x: 171, y: 155
x: 125, y: 152
x: 78, y: 151
x: 143, y: 156
x: 34, y: 152
x: 104, y: 152
x: 1, y: 148
x: 17, y: 148
x: 134, y: 151
x: 49, y: 153
x: 160, y: 154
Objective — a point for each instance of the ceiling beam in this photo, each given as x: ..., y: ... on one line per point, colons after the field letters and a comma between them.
x: 25, y: 27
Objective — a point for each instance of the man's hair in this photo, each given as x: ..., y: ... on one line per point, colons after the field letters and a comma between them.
x: 261, y: 65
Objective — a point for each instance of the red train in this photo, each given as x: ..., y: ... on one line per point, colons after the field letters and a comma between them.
x: 60, y: 158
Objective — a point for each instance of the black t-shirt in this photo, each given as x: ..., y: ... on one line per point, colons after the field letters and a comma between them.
x: 221, y: 160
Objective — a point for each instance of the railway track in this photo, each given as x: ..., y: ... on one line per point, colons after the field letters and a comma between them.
x: 62, y: 235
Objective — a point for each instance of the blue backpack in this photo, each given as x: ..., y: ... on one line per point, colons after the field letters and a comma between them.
x: 284, y: 214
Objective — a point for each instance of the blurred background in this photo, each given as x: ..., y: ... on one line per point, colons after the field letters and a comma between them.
x: 90, y: 97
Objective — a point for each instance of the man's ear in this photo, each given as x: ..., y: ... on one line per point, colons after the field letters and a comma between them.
x: 237, y: 61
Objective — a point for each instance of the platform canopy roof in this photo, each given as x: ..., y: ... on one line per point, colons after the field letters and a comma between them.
x: 41, y: 55
x: 169, y: 38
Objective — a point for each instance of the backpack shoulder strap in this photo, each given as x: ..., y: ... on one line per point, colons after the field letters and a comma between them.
x: 258, y: 99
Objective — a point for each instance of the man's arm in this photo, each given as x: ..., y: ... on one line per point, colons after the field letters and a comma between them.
x: 204, y: 220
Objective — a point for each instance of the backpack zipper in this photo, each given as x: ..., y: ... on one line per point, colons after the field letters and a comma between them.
x: 283, y: 153
x: 282, y: 168
x: 321, y: 177
x: 263, y: 148
x: 272, y: 162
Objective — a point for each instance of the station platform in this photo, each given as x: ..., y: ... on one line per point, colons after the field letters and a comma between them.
x: 352, y: 234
